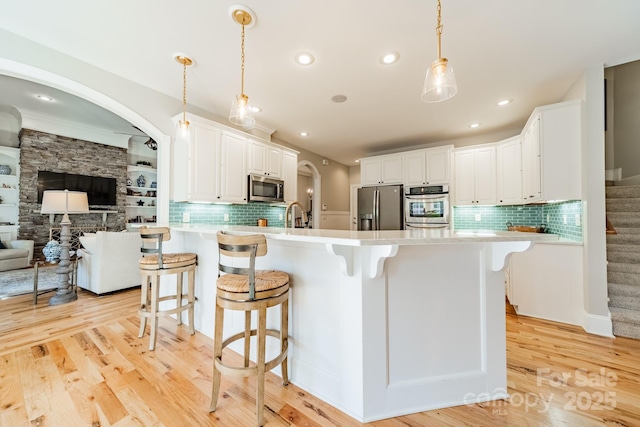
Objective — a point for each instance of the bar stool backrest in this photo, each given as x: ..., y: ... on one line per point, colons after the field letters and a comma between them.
x: 233, y: 246
x: 152, y: 238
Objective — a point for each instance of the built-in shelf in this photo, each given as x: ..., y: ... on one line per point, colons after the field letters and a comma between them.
x: 145, y: 214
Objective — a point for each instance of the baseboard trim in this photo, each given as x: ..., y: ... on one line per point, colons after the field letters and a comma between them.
x: 598, y: 325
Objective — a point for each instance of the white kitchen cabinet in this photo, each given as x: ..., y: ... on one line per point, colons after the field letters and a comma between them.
x: 381, y: 170
x: 196, y: 165
x: 290, y: 174
x: 232, y: 173
x: 475, y: 176
x: 551, y: 153
x: 509, y: 171
x: 265, y: 159
x: 540, y: 286
x: 427, y: 167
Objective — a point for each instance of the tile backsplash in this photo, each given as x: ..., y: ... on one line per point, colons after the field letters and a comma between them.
x: 246, y: 214
x: 563, y: 219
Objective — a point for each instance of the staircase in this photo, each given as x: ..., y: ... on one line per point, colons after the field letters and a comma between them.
x: 623, y: 256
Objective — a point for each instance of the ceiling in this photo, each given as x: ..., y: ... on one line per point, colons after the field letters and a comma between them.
x: 528, y: 51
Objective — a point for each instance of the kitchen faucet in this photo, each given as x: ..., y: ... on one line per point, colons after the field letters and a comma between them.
x: 286, y: 213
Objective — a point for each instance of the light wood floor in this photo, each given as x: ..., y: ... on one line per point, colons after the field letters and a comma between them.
x: 81, y: 364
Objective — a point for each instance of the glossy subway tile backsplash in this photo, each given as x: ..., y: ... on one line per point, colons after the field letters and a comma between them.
x: 563, y: 219
x: 246, y: 214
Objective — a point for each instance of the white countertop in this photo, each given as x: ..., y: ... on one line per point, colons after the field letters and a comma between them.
x: 372, y: 238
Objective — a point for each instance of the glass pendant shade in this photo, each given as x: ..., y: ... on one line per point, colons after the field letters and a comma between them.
x: 241, y: 113
x: 183, y: 128
x: 440, y: 82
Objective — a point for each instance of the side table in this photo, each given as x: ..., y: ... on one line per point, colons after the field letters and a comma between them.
x: 37, y: 263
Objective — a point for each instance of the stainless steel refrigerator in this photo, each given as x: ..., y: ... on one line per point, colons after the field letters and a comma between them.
x: 380, y: 208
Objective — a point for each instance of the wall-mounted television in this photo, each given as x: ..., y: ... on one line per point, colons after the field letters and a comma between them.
x: 100, y: 190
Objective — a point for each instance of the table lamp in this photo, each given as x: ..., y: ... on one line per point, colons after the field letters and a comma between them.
x: 64, y: 202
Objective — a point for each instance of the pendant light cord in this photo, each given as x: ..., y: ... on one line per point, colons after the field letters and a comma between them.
x: 184, y: 92
x: 439, y: 30
x: 242, y: 62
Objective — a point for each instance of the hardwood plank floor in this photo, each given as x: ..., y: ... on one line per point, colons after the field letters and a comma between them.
x: 81, y: 364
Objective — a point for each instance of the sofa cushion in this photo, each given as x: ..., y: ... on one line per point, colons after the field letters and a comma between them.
x: 6, y: 254
x: 88, y: 241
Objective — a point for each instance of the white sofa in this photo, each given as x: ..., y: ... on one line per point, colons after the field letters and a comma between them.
x: 109, y: 261
x: 17, y: 253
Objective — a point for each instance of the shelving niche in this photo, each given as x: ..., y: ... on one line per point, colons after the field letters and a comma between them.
x: 9, y: 190
x: 142, y: 179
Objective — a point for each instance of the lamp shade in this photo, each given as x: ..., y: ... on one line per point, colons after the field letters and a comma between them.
x: 64, y: 201
x: 440, y: 82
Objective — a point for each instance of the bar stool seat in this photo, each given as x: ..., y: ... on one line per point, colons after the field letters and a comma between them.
x: 155, y: 264
x: 247, y: 289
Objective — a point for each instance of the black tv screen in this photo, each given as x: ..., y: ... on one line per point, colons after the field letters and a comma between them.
x: 100, y: 190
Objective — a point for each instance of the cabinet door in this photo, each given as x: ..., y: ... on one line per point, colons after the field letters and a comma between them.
x: 438, y: 162
x: 204, y: 158
x: 233, y: 174
x: 485, y: 176
x: 392, y: 170
x: 257, y: 158
x: 274, y: 162
x: 531, y: 185
x: 414, y: 168
x: 465, y: 177
x: 370, y: 172
x: 290, y: 175
x: 509, y: 172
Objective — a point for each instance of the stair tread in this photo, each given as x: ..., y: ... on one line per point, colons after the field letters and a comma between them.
x: 624, y: 289
x: 625, y: 314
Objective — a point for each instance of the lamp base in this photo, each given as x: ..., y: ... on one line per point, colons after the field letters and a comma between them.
x: 63, y: 298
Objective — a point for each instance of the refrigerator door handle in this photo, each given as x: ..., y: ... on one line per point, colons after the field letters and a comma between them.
x: 376, y: 209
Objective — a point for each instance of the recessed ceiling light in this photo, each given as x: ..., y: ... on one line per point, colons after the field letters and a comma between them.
x: 505, y: 102
x: 44, y: 98
x: 474, y: 125
x: 256, y: 109
x: 357, y: 160
x: 304, y: 133
x: 304, y: 58
x: 389, y: 58
x: 339, y: 98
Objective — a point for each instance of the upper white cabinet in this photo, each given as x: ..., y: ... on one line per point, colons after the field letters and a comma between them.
x: 381, y: 170
x: 429, y: 166
x: 551, y: 153
x: 196, y: 165
x: 290, y: 175
x: 475, y: 176
x: 509, y: 171
x: 233, y: 177
x: 265, y: 159
x: 213, y: 165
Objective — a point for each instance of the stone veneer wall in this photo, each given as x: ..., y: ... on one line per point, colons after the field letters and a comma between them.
x: 46, y: 152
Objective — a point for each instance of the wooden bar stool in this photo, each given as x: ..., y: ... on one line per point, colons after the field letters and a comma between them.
x: 153, y: 264
x: 244, y: 288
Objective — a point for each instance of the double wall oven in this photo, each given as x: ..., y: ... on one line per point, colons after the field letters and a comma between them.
x: 426, y: 207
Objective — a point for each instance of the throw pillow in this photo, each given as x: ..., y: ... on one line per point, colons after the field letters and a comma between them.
x: 2, y: 246
x: 88, y: 241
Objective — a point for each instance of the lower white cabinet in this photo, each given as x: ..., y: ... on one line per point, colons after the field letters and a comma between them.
x: 540, y: 286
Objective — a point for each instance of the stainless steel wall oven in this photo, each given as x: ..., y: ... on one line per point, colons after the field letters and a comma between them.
x: 426, y: 207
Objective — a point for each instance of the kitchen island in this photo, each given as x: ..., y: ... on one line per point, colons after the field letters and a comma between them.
x: 382, y: 323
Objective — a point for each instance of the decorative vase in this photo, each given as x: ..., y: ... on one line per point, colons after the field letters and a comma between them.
x: 154, y: 184
x: 141, y: 181
x: 129, y: 182
x: 5, y: 170
x: 52, y: 251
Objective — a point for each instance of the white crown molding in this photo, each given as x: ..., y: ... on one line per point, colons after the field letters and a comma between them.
x: 70, y: 129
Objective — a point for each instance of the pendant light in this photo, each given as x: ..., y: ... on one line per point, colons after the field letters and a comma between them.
x: 241, y: 112
x: 440, y: 83
x: 183, y: 125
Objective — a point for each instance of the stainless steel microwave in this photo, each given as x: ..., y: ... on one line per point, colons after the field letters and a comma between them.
x: 264, y: 189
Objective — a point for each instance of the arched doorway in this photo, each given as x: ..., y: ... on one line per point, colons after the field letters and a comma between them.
x: 308, y: 168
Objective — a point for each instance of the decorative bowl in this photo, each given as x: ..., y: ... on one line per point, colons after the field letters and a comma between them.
x: 5, y: 170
